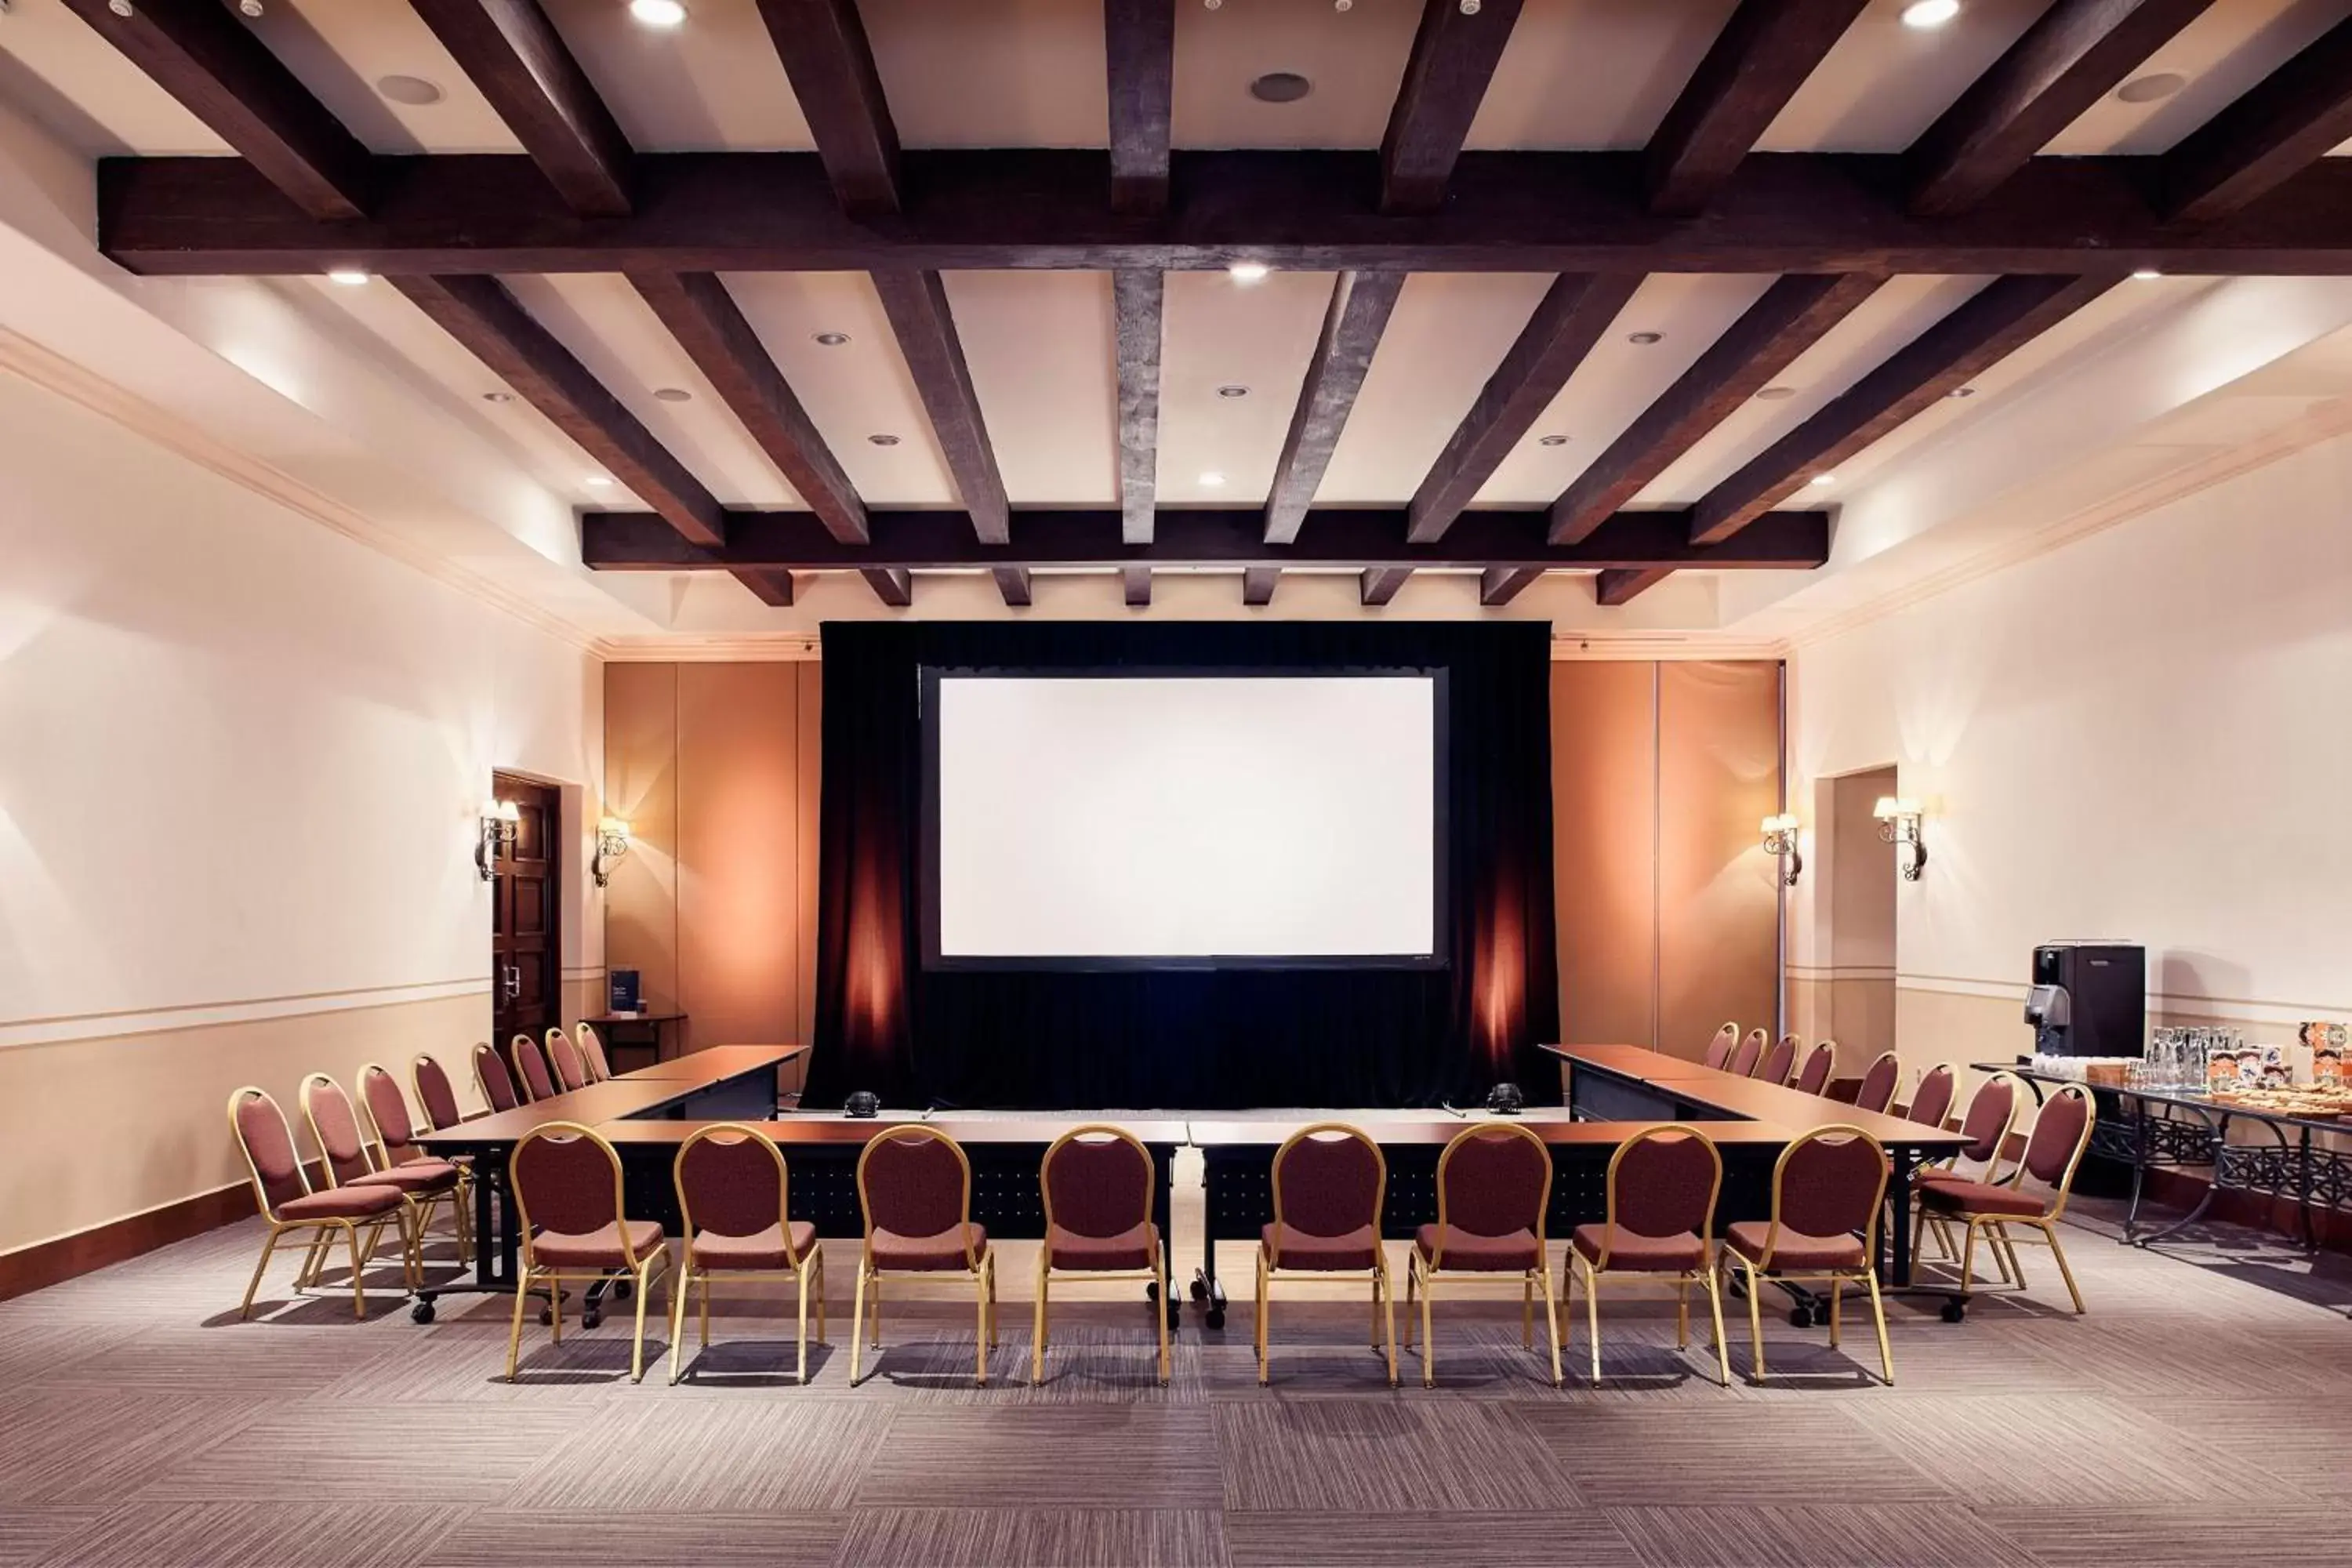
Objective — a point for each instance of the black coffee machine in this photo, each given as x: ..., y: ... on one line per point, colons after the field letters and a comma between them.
x: 2089, y: 999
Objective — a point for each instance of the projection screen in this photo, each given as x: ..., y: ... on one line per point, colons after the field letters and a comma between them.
x: 1096, y: 819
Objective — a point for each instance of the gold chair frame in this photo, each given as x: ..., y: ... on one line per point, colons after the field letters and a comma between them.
x: 547, y: 1048
x: 1805, y: 1059
x: 2004, y: 1256
x: 1795, y: 1045
x: 690, y: 1272
x: 1157, y: 1274
x: 523, y: 1093
x: 412, y: 1212
x: 1996, y: 1226
x: 322, y: 1230
x: 592, y: 1052
x: 481, y: 1085
x: 424, y: 1108
x: 1730, y: 1035
x: 1709, y: 1274
x: 640, y: 1270
x: 460, y: 1198
x: 981, y: 1263
x: 1882, y: 1056
x: 1423, y: 1275
x: 1837, y: 1278
x: 1269, y: 1268
x: 1763, y: 1043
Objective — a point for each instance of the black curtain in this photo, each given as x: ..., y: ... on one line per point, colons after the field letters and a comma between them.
x: 1187, y: 1039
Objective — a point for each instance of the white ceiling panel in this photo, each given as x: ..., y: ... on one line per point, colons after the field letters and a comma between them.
x: 1885, y: 83
x: 1353, y: 60
x: 56, y: 68
x: 1219, y: 332
x: 713, y: 84
x: 1044, y: 358
x: 1594, y: 73
x: 2222, y: 53
x: 991, y: 73
x: 341, y: 49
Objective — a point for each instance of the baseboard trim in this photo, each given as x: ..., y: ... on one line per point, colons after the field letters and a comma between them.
x: 63, y: 1257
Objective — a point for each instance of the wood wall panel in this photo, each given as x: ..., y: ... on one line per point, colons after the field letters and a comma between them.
x: 641, y: 785
x: 1719, y: 892
x: 739, y: 923
x: 1604, y: 836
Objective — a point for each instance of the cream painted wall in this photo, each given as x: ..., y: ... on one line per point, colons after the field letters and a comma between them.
x: 2141, y: 735
x: 240, y: 757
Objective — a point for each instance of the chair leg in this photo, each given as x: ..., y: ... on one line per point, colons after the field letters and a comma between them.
x: 1681, y: 1313
x: 1715, y: 1305
x: 1388, y: 1315
x: 321, y: 1237
x: 1878, y: 1310
x: 1037, y: 1331
x: 821, y: 1338
x: 514, y: 1335
x: 1159, y: 1314
x: 1428, y: 1334
x: 1372, y: 1337
x: 801, y: 1365
x: 359, y: 1293
x: 677, y: 1295
x: 989, y: 1263
x: 1755, y: 1321
x: 555, y: 1311
x: 876, y: 1279
x: 1412, y: 1285
x: 1527, y: 1315
x: 1261, y: 1318
x: 1919, y: 1229
x: 857, y: 1325
x: 1551, y: 1320
x: 1968, y: 1260
x: 1592, y: 1318
x: 2009, y: 1250
x: 705, y: 1310
x: 2050, y: 1234
x: 1568, y: 1300
x: 637, y: 1343
x: 245, y: 1309
x: 980, y: 1327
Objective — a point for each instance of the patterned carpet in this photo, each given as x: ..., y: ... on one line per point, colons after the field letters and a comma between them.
x: 141, y: 1424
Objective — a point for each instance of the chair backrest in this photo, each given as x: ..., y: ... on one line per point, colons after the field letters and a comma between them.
x: 1780, y: 1061
x: 567, y: 1182
x: 1097, y: 1181
x: 1663, y: 1181
x: 490, y: 1076
x: 592, y: 1051
x: 571, y: 1067
x: 1493, y: 1180
x: 1992, y: 1111
x: 530, y: 1069
x: 336, y: 1126
x: 435, y: 1095
x: 731, y: 1181
x: 1878, y: 1082
x: 2060, y: 1134
x: 387, y: 1115
x: 1328, y: 1179
x: 1744, y: 1059
x: 1719, y: 1050
x: 268, y: 1145
x: 1814, y: 1077
x: 1931, y: 1103
x: 915, y: 1181
x: 1829, y: 1182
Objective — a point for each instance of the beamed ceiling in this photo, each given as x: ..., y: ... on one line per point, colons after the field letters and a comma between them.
x: 1616, y: 288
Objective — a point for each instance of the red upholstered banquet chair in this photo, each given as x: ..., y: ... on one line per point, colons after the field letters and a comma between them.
x: 1744, y: 1060
x: 1813, y: 1078
x: 735, y: 1221
x: 281, y: 1190
x: 569, y: 1067
x: 566, y: 1182
x: 914, y: 1183
x: 591, y: 1049
x: 497, y: 1084
x: 1494, y: 1190
x: 335, y: 1127
x: 531, y: 1070
x: 1096, y: 1183
x: 1992, y: 1111
x: 1719, y: 1050
x: 1827, y: 1187
x: 1779, y: 1061
x: 1660, y: 1221
x: 2053, y: 1153
x: 1329, y: 1181
x: 397, y: 1159
x: 1878, y: 1082
x: 435, y: 1095
x: 1931, y: 1103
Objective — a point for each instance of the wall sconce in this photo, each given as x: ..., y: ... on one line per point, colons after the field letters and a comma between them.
x: 612, y: 843
x: 1780, y: 840
x: 498, y: 820
x: 1899, y: 824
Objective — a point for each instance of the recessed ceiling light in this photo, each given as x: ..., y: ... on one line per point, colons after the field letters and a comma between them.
x: 250, y: 8
x: 1213, y: 480
x: 1962, y: 391
x: 598, y: 482
x: 673, y: 394
x: 1645, y: 337
x: 1551, y: 441
x: 349, y: 276
x: 1821, y: 480
x: 1248, y: 271
x: 1926, y: 15
x: 1775, y: 393
x: 413, y: 91
x: 2150, y: 88
x: 1280, y: 86
x: 832, y: 339
x: 884, y: 441
x: 658, y: 12
x: 1233, y: 390
x: 498, y: 397
x: 2146, y: 274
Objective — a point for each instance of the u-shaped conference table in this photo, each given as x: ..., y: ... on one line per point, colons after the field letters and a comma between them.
x: 1613, y: 1091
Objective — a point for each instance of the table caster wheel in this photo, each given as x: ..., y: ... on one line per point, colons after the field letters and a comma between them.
x: 1175, y: 1316
x: 1216, y: 1317
x: 1151, y: 1291
x: 1800, y: 1317
x: 591, y: 1318
x: 421, y: 1314
x: 1200, y: 1288
x: 620, y: 1288
x: 546, y: 1317
x: 1954, y: 1312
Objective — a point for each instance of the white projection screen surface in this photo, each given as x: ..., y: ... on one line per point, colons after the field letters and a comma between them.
x: 1118, y: 819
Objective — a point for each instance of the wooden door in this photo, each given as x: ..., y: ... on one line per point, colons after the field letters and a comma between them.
x: 526, y: 954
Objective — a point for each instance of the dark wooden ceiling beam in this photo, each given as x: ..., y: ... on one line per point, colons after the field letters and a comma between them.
x: 1507, y: 212
x: 1498, y: 585
x: 1335, y: 537
x: 1136, y: 296
x: 510, y: 51
x: 1378, y: 585
x: 2280, y: 127
x: 2070, y: 59
x: 1620, y: 584
x: 773, y: 589
x: 1258, y: 583
x: 1792, y: 315
x: 1453, y: 57
x: 1358, y: 314
x: 1140, y: 54
x: 1990, y: 325
x: 222, y: 73
x: 1561, y: 330
x: 895, y: 587
x: 1758, y: 62
x: 823, y: 46
x: 1012, y: 584
x: 917, y: 304
x: 707, y: 322
x: 1136, y: 582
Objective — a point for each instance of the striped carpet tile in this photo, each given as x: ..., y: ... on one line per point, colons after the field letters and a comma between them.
x: 1073, y: 1456
x: 1559, y: 1538
x: 538, y: 1538
x: 361, y: 1452
x: 708, y: 1455
x: 1384, y: 1452
x: 1852, y: 1535
x: 1027, y: 1537
x: 2292, y: 1535
x: 285, y: 1533
x: 67, y: 1445
x: 1619, y: 1455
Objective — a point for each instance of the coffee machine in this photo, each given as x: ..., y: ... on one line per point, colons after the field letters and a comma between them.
x: 2089, y: 999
